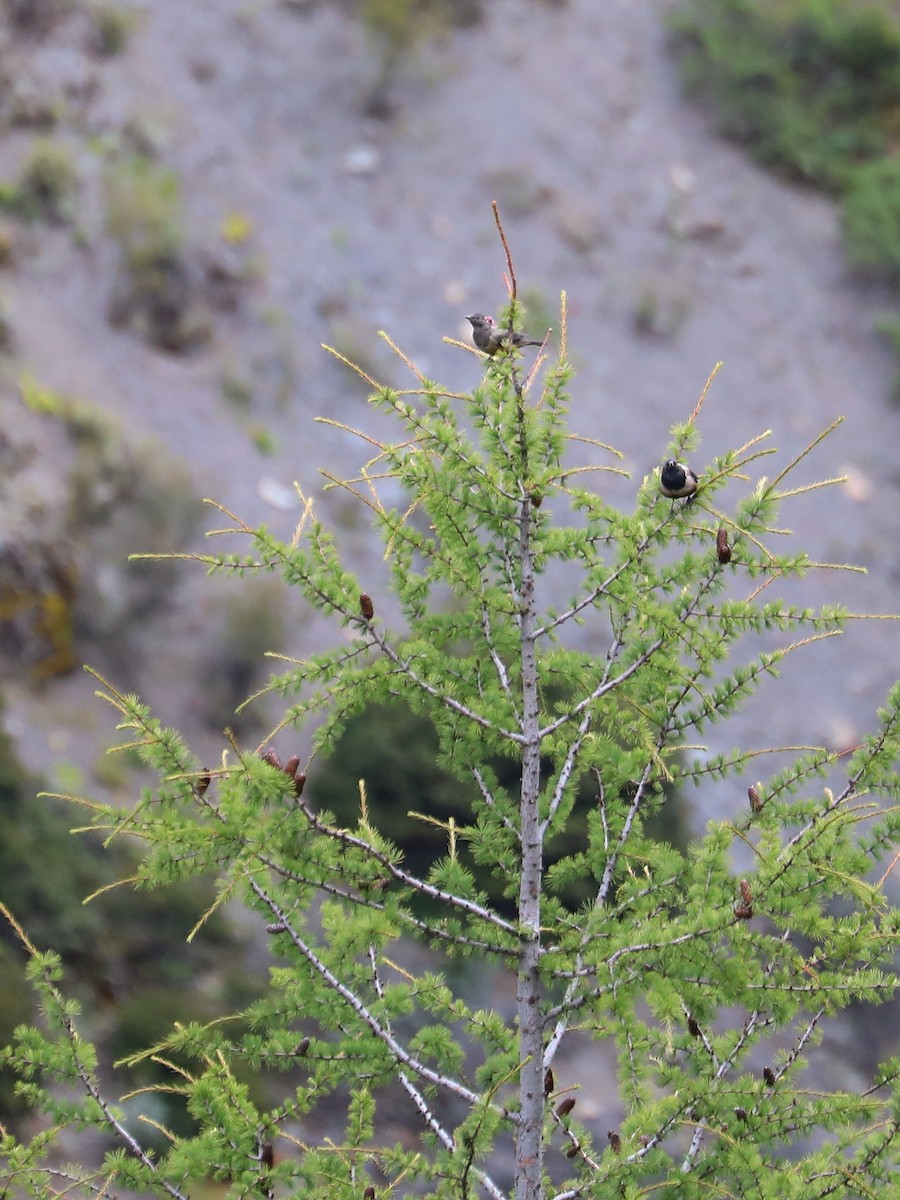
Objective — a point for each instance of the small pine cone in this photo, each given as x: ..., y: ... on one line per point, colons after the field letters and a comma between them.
x: 572, y: 1152
x: 723, y: 550
x: 369, y: 1193
x: 302, y: 1049
x: 549, y: 1082
x: 202, y: 785
x: 272, y: 759
x: 267, y: 1154
x: 753, y: 795
x: 615, y: 1141
x: 276, y: 927
x: 744, y: 910
x: 366, y: 607
x: 740, y: 1113
x: 299, y: 783
x: 290, y: 767
x: 693, y: 1027
x: 565, y: 1106
x: 769, y: 1076
x: 536, y: 499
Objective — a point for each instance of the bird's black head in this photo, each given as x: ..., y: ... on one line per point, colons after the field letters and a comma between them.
x: 677, y: 480
x: 476, y: 319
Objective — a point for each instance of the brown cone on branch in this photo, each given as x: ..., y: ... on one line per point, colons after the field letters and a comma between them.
x: 744, y: 910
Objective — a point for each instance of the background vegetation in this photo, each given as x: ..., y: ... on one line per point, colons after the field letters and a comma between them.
x: 812, y: 89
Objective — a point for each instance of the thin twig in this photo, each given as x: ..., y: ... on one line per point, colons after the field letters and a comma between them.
x: 513, y: 287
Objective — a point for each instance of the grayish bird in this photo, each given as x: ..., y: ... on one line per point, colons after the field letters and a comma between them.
x: 488, y: 337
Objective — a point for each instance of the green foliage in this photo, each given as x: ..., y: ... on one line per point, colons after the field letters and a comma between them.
x: 17, y: 887
x: 392, y: 20
x: 888, y: 325
x: 400, y: 24
x: 112, y: 26
x: 694, y: 968
x: 48, y: 179
x: 871, y: 218
x: 125, y: 951
x: 156, y: 295
x: 396, y: 755
x: 41, y: 872
x: 143, y: 211
x: 116, y: 495
x: 812, y: 87
x: 16, y: 1010
x: 47, y: 183
x: 397, y: 27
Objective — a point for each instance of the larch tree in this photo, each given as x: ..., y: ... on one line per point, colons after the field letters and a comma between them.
x: 712, y: 983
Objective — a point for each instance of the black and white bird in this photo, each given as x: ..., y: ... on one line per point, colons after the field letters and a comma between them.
x: 677, y: 480
x: 488, y: 337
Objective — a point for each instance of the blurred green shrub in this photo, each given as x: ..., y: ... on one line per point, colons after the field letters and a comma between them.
x: 397, y: 27
x: 44, y: 872
x: 15, y: 1009
x: 143, y: 211
x: 111, y: 27
x: 887, y: 324
x: 871, y: 218
x: 46, y: 185
x: 812, y: 87
x: 155, y: 296
x: 65, y: 571
x: 395, y: 753
x: 49, y: 178
x: 118, y: 947
x: 251, y: 623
